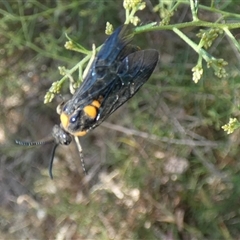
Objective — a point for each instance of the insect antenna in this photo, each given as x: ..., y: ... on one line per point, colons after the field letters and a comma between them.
x: 79, y: 147
x: 51, y: 161
x: 43, y: 142
x: 29, y: 144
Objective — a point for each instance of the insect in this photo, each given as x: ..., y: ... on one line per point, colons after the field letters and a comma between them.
x: 116, y: 74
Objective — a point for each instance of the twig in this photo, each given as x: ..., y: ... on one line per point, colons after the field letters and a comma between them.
x: 153, y: 137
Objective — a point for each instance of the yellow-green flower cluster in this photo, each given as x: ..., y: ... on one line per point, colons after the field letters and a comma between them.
x: 208, y: 36
x: 135, y: 20
x: 232, y: 125
x: 166, y: 16
x: 109, y: 28
x: 69, y: 45
x: 54, y: 89
x: 74, y: 46
x: 62, y: 70
x: 197, y: 73
x: 132, y: 6
x: 218, y: 66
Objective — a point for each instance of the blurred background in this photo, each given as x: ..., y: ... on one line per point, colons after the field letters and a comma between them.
x: 160, y: 167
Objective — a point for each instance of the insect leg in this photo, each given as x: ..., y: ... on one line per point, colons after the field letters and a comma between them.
x: 79, y: 147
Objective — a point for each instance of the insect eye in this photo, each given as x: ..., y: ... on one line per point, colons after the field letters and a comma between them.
x: 74, y: 117
x: 67, y: 139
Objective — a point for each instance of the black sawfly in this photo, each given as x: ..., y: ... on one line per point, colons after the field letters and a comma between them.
x: 115, y: 75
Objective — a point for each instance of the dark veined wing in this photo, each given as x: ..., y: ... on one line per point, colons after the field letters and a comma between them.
x: 133, y: 72
x: 99, y: 77
x: 113, y: 47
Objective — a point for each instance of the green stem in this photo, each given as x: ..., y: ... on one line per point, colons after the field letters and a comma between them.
x: 215, y: 10
x: 127, y: 16
x: 212, y: 9
x: 192, y: 44
x: 45, y: 53
x: 194, y: 11
x: 81, y: 63
x: 45, y: 13
x: 72, y: 70
x: 195, y: 47
x: 226, y: 30
x: 148, y: 28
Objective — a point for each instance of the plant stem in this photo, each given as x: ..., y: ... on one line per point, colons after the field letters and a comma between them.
x: 226, y: 30
x: 192, y: 44
x: 193, y: 10
x: 199, y: 23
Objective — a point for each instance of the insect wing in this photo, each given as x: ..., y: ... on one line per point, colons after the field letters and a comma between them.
x: 98, y: 79
x: 113, y: 47
x: 134, y: 71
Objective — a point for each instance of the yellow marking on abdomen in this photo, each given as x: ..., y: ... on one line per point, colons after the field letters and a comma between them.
x: 96, y: 104
x: 90, y: 111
